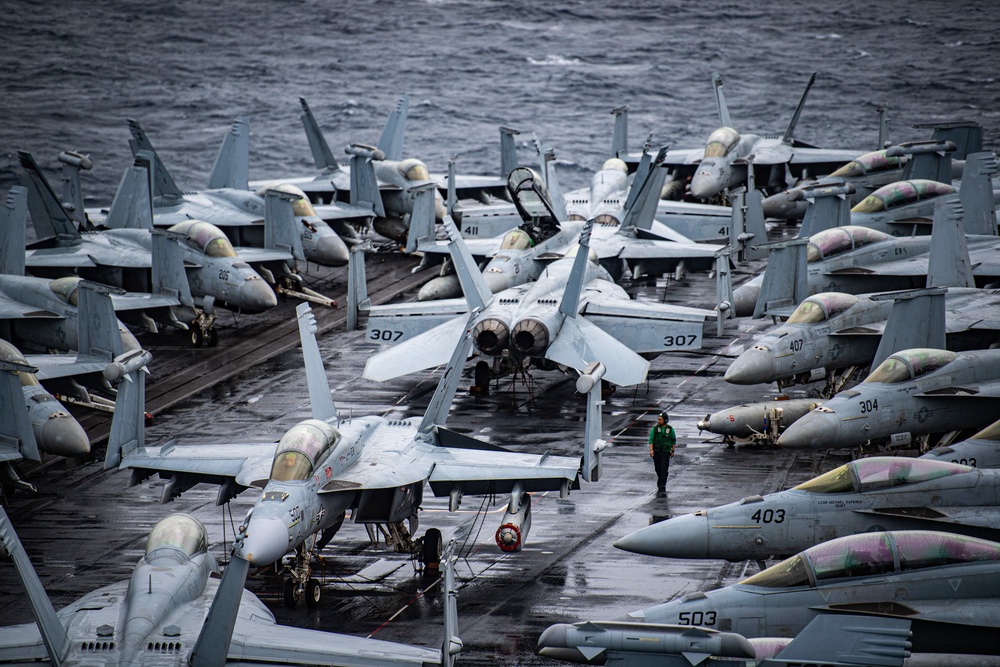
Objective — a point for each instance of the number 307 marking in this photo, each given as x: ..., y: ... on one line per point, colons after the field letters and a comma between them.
x: 679, y: 340
x: 386, y: 334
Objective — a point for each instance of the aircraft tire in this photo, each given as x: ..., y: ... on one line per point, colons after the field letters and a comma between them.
x: 290, y: 594
x: 433, y: 543
x: 482, y: 376
x: 213, y: 337
x: 313, y: 593
x: 197, y: 337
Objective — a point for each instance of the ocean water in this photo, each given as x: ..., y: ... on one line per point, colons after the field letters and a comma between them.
x: 72, y: 72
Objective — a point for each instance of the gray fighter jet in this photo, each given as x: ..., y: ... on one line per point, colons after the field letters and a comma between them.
x: 777, y: 161
x: 912, y: 393
x: 229, y: 204
x: 572, y: 316
x: 175, y: 610
x: 375, y: 467
x: 943, y: 583
x: 877, y: 493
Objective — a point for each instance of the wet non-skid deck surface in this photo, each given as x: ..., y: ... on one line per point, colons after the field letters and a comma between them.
x: 85, y: 529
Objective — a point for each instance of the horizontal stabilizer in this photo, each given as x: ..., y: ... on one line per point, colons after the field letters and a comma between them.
x: 429, y: 349
x: 17, y: 440
x: 850, y: 640
x: 579, y: 343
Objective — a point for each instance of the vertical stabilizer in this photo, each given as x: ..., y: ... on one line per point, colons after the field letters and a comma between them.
x: 212, y: 645
x: 619, y: 139
x: 421, y: 217
x: 949, y: 264
x: 163, y: 183
x: 320, y: 398
x: 232, y: 166
x: 926, y: 306
x: 17, y: 440
x: 883, y: 126
x: 98, y: 327
x: 72, y: 196
x: 570, y: 304
x: 641, y: 213
x: 357, y: 284
x: 129, y: 418
x: 47, y: 212
x: 452, y: 193
x: 748, y: 228
x: 169, y: 276
x: 49, y: 626
x: 440, y: 405
x: 789, y: 137
x: 452, y: 643
x: 132, y: 207
x: 930, y: 160
x: 640, y: 175
x: 977, y: 194
x: 391, y: 141
x: 477, y: 293
x: 364, y: 184
x: 720, y: 101
x: 966, y: 135
x: 784, y: 281
x: 280, y: 226
x: 828, y: 206
x: 322, y: 155
x: 508, y: 151
x: 13, y: 223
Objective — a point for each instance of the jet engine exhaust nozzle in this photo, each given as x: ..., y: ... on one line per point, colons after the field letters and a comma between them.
x: 491, y: 336
x: 530, y: 336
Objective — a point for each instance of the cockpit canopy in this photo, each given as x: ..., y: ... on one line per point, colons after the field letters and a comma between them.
x: 721, y: 141
x: 869, y: 163
x: 178, y: 531
x: 821, y: 307
x: 910, y: 364
x: 66, y: 289
x: 528, y: 190
x: 880, y: 472
x: 206, y: 237
x: 902, y: 193
x: 991, y: 432
x: 516, y: 239
x: 838, y: 240
x: 301, y: 207
x: 869, y: 554
x: 10, y: 353
x: 300, y: 448
x: 414, y: 170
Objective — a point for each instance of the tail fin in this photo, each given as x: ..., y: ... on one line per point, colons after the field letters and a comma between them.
x: 132, y: 207
x: 96, y: 321
x: 451, y: 645
x: 452, y: 195
x: 546, y: 162
x: 930, y: 160
x: 619, y: 139
x: 589, y: 383
x: 925, y: 306
x: 163, y: 184
x: 13, y: 221
x: 788, y: 137
x: 391, y: 141
x: 320, y: 398
x: 849, y: 639
x: 883, y: 126
x: 748, y: 228
x: 477, y: 293
x: 129, y: 419
x: 232, y: 165
x: 280, y: 227
x: 17, y: 440
x: 440, y: 405
x: 212, y: 646
x: 647, y: 195
x: 977, y: 194
x: 51, y: 628
x: 508, y: 151
x: 949, y: 264
x: 357, y: 284
x: 829, y: 206
x: 784, y: 278
x: 421, y: 217
x: 966, y: 135
x: 322, y: 155
x: 169, y: 276
x: 641, y: 173
x: 73, y: 163
x: 570, y: 304
x: 47, y: 212
x: 720, y: 101
x: 364, y: 184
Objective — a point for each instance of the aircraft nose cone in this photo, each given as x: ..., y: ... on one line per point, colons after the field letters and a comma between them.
x: 815, y: 429
x: 329, y: 250
x: 266, y: 541
x: 442, y: 287
x: 745, y: 300
x: 706, y: 183
x: 496, y: 281
x: 752, y: 367
x: 62, y: 435
x: 256, y: 296
x: 681, y: 537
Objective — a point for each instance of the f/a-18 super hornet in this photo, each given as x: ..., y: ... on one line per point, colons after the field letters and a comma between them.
x: 777, y: 161
x: 877, y: 493
x: 572, y: 316
x: 943, y: 583
x: 375, y: 467
x: 176, y: 610
x: 229, y: 204
x: 914, y: 392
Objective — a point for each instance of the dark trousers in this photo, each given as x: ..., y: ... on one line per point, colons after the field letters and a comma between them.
x: 661, y: 461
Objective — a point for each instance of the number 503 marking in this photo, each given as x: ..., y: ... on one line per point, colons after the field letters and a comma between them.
x: 696, y: 618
